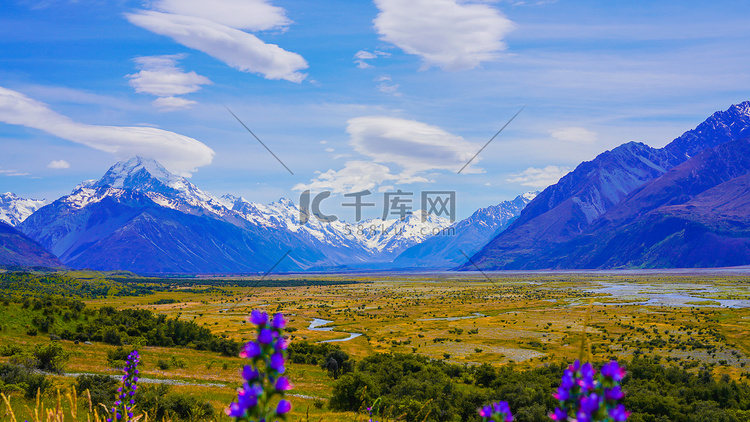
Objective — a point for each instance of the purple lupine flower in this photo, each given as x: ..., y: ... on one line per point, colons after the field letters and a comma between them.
x: 614, y: 393
x: 278, y: 321
x: 567, y: 380
x: 559, y: 415
x: 263, y: 381
x: 562, y: 394
x: 258, y: 317
x: 250, y: 373
x: 284, y: 407
x: 265, y: 336
x: 282, y: 384
x: 496, y: 412
x: 613, y: 370
x: 586, y: 396
x: 251, y: 350
x: 281, y: 344
x: 129, y: 380
x: 619, y: 414
x: 277, y: 362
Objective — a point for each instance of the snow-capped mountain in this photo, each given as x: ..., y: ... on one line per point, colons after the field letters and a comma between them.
x: 14, y: 209
x: 447, y: 248
x: 142, y: 218
x: 345, y: 243
x: 155, y: 182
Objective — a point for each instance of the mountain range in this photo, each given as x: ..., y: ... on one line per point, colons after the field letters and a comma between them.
x: 683, y: 205
x: 452, y: 247
x: 568, y: 224
x: 142, y: 218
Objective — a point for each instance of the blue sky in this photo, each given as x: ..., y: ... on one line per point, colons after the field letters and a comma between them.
x: 351, y: 95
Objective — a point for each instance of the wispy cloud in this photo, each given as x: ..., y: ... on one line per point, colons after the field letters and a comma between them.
x: 178, y: 153
x: 575, y: 134
x: 215, y: 28
x: 450, y: 34
x: 254, y: 15
x: 386, y: 86
x: 539, y: 177
x: 361, y: 57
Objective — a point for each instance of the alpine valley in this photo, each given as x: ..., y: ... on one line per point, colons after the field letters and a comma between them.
x: 684, y: 205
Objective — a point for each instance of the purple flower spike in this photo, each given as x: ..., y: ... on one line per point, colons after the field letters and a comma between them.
x: 266, y: 350
x: 283, y: 407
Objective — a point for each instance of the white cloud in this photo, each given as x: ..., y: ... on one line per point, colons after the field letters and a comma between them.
x: 413, y: 146
x: 254, y: 15
x: 178, y: 153
x: 386, y: 87
x: 450, y: 34
x: 160, y: 76
x: 172, y: 103
x: 236, y: 48
x: 539, y: 177
x: 58, y: 164
x: 356, y: 176
x: 13, y: 173
x: 575, y: 134
x: 363, y: 55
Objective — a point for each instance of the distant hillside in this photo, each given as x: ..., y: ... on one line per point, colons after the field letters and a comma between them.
x: 16, y: 249
x: 568, y: 209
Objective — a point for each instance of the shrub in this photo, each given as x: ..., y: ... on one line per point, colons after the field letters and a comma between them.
x: 102, y: 388
x: 51, y: 358
x: 19, y: 378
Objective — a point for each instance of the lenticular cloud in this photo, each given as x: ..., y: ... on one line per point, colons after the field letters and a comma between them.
x: 178, y: 153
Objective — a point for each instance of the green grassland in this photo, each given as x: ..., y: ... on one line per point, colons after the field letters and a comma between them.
x: 526, y: 321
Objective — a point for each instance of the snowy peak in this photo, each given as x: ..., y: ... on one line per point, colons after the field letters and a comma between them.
x: 149, y: 177
x: 14, y: 209
x: 143, y: 174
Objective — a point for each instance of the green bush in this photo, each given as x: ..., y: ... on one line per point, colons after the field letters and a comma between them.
x: 51, y: 357
x: 20, y: 378
x: 161, y: 404
x: 102, y: 388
